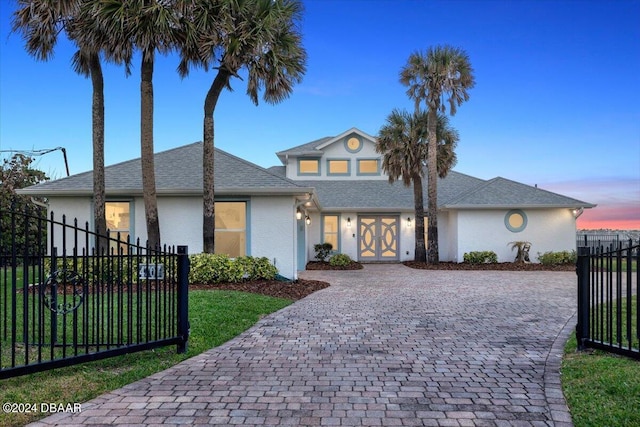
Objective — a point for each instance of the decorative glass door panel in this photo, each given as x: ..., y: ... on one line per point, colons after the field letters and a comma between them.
x: 378, y: 238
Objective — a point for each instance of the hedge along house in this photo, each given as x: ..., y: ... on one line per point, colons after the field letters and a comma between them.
x: 329, y: 190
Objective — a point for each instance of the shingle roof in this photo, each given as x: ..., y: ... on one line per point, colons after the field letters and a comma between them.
x: 178, y: 171
x: 501, y: 192
x: 305, y: 149
x: 380, y: 194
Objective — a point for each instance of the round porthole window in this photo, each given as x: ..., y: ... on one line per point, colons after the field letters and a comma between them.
x: 515, y: 220
x: 353, y: 144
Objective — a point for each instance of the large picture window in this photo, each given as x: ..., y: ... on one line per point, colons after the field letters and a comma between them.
x: 118, y: 216
x: 231, y: 228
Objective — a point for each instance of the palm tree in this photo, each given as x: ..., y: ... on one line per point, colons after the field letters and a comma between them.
x: 40, y: 22
x: 442, y: 72
x: 258, y: 36
x: 402, y: 141
x: 148, y: 26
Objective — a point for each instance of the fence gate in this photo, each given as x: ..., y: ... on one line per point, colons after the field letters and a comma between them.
x: 68, y: 296
x: 608, y: 301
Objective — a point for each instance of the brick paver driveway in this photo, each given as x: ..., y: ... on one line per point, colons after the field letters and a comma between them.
x: 386, y: 345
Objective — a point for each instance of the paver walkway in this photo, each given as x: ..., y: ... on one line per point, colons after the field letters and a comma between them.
x: 386, y: 345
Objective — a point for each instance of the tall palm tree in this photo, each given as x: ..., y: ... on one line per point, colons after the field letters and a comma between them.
x: 441, y: 75
x: 40, y: 22
x: 148, y: 26
x: 403, y: 142
x: 260, y: 38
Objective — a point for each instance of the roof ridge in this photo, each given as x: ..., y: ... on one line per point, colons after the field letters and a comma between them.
x: 483, y: 184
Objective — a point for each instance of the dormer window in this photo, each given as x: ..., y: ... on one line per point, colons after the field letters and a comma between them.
x: 368, y: 167
x: 353, y: 144
x: 338, y: 167
x: 308, y: 166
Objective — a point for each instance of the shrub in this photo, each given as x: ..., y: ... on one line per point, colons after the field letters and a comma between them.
x: 340, y: 260
x: 323, y: 250
x: 213, y: 268
x: 557, y: 258
x: 216, y: 268
x: 257, y: 268
x: 480, y: 257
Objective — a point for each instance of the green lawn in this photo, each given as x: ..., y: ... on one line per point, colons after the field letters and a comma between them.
x: 602, y: 389
x: 215, y: 317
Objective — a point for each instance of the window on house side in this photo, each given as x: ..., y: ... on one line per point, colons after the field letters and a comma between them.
x: 330, y: 231
x: 231, y: 228
x: 368, y: 167
x: 309, y: 167
x: 118, y: 216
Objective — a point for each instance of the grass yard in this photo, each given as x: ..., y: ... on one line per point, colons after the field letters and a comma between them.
x: 602, y: 389
x: 215, y: 317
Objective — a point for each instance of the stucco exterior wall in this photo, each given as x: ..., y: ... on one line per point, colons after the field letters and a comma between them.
x: 547, y: 230
x: 270, y: 224
x: 273, y: 228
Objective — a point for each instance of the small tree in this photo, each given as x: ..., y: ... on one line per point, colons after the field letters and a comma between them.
x: 16, y: 173
x: 523, y: 251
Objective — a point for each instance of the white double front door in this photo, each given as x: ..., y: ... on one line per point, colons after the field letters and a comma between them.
x: 378, y: 238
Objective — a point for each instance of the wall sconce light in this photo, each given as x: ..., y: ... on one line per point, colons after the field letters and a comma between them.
x: 409, y: 221
x: 349, y: 222
x: 577, y: 212
x: 298, y: 214
x: 307, y: 220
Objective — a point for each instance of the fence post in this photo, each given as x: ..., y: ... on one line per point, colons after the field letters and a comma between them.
x: 582, y: 270
x: 183, y: 297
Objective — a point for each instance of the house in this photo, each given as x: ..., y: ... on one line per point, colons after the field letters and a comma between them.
x: 329, y: 190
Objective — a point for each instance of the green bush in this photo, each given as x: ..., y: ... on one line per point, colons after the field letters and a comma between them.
x: 215, y: 268
x: 323, y: 250
x: 480, y: 257
x: 557, y: 258
x: 257, y: 268
x: 340, y: 260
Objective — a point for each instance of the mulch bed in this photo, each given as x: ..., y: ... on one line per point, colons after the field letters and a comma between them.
x: 318, y: 265
x: 501, y: 266
x: 273, y: 288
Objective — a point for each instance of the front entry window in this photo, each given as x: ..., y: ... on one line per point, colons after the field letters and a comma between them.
x: 330, y: 231
x: 231, y: 228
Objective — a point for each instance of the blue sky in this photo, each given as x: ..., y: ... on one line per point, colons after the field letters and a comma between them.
x: 556, y: 101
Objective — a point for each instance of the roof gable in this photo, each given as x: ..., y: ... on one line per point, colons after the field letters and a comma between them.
x: 315, y: 148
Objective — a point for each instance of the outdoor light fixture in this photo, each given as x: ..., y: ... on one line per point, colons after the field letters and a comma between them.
x: 349, y: 222
x: 577, y: 212
x: 409, y: 221
x: 298, y: 214
x: 307, y: 220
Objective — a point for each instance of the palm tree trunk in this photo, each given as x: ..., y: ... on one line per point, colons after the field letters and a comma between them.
x: 432, y: 188
x: 208, y: 157
x: 420, y: 252
x: 146, y: 146
x: 97, y: 116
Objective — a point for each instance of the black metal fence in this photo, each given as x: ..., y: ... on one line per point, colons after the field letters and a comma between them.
x: 608, y: 302
x: 598, y: 240
x: 68, y: 296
